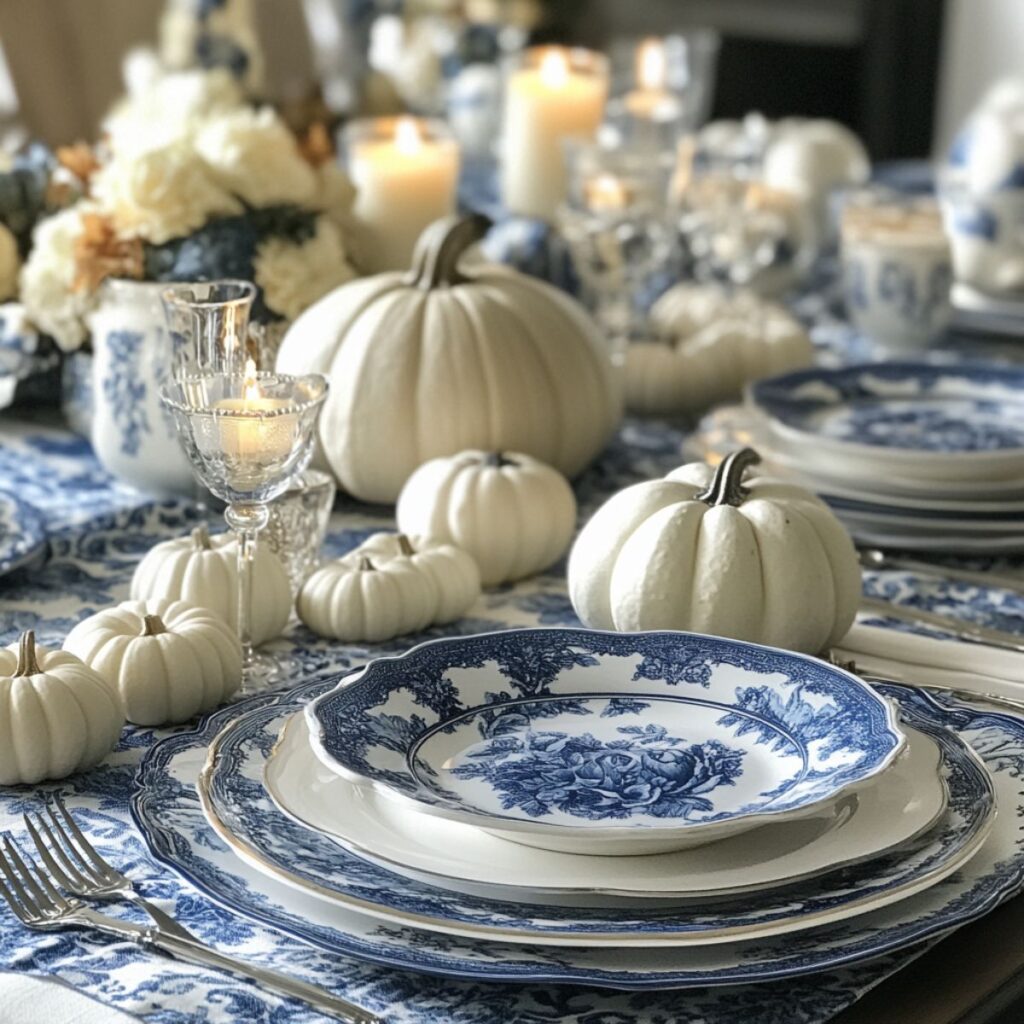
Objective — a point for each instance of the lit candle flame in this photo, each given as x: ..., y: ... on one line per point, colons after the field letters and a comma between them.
x: 408, y: 139
x: 606, y: 192
x: 251, y: 387
x: 651, y: 65
x: 554, y: 69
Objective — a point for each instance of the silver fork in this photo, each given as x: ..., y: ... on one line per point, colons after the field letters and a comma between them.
x: 37, y: 902
x: 82, y: 871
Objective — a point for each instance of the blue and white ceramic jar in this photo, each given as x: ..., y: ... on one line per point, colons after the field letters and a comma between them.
x: 132, y: 434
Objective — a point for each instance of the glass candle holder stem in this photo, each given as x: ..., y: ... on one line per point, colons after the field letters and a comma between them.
x: 247, y: 521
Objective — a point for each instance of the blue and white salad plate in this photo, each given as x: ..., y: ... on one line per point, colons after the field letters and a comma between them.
x: 22, y: 533
x: 609, y: 743
x: 167, y: 811
x: 466, y: 859
x: 933, y: 420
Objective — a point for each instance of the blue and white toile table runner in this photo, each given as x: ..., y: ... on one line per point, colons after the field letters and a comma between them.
x: 98, y: 531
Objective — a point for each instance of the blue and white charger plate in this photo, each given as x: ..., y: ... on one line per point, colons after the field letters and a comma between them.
x: 609, y: 743
x: 22, y: 533
x: 964, y: 421
x: 166, y: 809
x: 248, y: 823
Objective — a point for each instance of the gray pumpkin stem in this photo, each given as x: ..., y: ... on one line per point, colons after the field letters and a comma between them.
x: 495, y: 460
x: 365, y: 565
x: 435, y: 263
x: 726, y: 487
x: 405, y: 545
x: 28, y: 663
x: 201, y: 538
x: 152, y: 625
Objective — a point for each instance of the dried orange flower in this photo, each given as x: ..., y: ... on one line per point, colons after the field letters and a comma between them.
x: 79, y: 159
x: 316, y: 146
x: 99, y: 253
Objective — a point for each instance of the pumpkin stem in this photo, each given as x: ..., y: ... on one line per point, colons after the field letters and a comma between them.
x: 28, y: 664
x: 365, y: 565
x: 495, y: 460
x: 405, y: 545
x: 435, y: 262
x: 726, y: 487
x: 201, y: 538
x: 152, y: 625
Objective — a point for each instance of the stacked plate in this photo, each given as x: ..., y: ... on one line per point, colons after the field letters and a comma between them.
x: 909, y: 454
x: 632, y: 810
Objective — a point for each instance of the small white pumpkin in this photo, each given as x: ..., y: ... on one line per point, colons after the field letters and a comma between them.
x: 203, y: 570
x: 712, y: 346
x: 354, y: 600
x: 701, y: 551
x: 57, y: 716
x: 450, y: 357
x: 167, y: 659
x: 452, y: 571
x: 514, y: 514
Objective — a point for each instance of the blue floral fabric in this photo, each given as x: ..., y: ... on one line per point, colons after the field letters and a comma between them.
x: 98, y: 530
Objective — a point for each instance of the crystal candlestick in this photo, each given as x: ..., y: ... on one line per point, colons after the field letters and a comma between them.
x: 247, y: 436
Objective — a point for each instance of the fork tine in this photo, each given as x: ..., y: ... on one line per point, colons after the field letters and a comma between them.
x: 63, y: 877
x: 76, y: 841
x: 19, y: 910
x: 56, y: 898
x: 7, y: 867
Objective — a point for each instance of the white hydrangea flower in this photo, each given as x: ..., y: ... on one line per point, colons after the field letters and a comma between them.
x: 171, y: 108
x: 253, y: 155
x: 160, y: 193
x: 10, y: 264
x: 48, y: 278
x: 294, y: 276
x: 335, y: 192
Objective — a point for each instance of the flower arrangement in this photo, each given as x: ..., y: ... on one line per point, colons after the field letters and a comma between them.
x: 190, y: 182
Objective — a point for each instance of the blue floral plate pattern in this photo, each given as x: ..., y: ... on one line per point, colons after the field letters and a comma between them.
x: 167, y: 812
x: 903, y: 409
x: 22, y: 533
x: 568, y: 739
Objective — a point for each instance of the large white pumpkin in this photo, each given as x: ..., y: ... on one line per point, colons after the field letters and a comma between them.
x: 167, y: 659
x: 700, y: 550
x: 512, y: 513
x: 203, y: 570
x: 712, y: 346
x: 57, y: 716
x: 447, y: 358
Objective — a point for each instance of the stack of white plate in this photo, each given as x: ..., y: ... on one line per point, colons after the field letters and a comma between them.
x: 631, y: 810
x: 909, y: 454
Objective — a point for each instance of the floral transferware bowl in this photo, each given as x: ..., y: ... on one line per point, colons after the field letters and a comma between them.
x: 612, y: 743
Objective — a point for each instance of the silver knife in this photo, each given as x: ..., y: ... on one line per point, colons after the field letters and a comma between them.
x: 193, y: 951
x: 873, y: 558
x: 962, y: 630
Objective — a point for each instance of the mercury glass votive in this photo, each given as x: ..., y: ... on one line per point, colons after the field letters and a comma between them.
x: 298, y: 524
x: 247, y: 436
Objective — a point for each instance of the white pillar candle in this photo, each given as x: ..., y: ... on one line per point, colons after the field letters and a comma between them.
x: 406, y: 172
x: 557, y: 94
x: 651, y: 92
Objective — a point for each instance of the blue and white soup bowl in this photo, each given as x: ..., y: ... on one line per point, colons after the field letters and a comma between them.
x: 133, y: 435
x: 606, y: 743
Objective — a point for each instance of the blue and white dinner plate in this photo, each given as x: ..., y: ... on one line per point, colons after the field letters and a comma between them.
x: 22, y: 533
x: 466, y: 859
x: 167, y: 811
x: 249, y: 825
x: 965, y: 421
x: 608, y: 743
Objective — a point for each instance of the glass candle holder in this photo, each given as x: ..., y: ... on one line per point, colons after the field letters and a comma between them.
x: 406, y: 171
x: 552, y: 93
x: 298, y: 524
x: 209, y: 326
x: 246, y: 435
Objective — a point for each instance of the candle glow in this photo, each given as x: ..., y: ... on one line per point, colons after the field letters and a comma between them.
x: 651, y: 65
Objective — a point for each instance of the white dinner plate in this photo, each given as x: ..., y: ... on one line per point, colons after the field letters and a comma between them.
x: 907, y: 799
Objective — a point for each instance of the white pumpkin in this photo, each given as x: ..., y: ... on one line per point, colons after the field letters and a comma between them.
x: 57, y: 716
x: 167, y: 659
x: 712, y: 346
x: 453, y: 573
x: 448, y: 358
x: 812, y: 156
x: 700, y: 551
x: 203, y: 570
x: 512, y: 513
x: 355, y: 600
